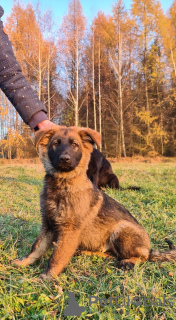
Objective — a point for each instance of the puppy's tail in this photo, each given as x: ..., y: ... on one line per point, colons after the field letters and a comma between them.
x: 161, y: 256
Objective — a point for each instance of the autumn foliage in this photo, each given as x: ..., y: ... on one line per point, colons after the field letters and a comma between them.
x: 116, y: 75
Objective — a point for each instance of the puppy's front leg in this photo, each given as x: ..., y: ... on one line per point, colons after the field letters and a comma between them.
x: 39, y: 248
x: 64, y: 249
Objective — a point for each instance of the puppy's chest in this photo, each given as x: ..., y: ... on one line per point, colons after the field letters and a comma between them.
x: 65, y: 207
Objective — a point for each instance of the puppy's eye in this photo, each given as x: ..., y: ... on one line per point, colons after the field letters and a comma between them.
x: 56, y: 143
x: 74, y: 144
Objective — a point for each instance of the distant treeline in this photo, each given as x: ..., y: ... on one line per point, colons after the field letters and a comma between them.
x: 117, y: 76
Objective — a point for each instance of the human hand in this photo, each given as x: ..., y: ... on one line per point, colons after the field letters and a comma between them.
x: 45, y: 124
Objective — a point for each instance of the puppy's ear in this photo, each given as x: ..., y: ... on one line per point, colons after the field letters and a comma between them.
x: 42, y: 138
x: 90, y: 136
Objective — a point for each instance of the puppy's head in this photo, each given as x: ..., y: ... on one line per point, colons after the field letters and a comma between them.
x: 64, y: 150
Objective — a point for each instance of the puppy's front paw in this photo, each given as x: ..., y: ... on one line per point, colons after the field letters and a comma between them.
x: 20, y: 262
x: 46, y: 276
x: 49, y: 274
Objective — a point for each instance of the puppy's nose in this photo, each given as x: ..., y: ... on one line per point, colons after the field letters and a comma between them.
x: 65, y: 158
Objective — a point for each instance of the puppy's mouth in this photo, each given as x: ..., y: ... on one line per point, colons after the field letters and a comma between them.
x: 64, y: 167
x: 63, y: 164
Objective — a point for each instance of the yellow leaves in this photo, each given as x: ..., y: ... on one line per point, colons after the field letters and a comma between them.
x: 136, y: 131
x: 72, y: 28
x: 103, y: 28
x: 13, y: 140
x: 172, y: 12
x: 145, y: 116
x: 157, y: 131
x: 151, y: 133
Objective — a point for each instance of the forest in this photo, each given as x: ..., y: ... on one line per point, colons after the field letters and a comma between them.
x: 115, y: 74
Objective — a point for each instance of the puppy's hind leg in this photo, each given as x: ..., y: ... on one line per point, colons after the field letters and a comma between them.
x: 39, y: 248
x: 130, y: 243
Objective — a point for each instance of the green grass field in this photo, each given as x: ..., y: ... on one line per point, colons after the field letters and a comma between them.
x: 147, y: 292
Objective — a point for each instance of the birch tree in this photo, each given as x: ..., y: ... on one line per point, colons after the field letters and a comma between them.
x: 117, y: 58
x: 71, y: 40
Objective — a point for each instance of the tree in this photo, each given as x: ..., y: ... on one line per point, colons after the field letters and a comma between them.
x: 102, y: 29
x: 100, y: 37
x: 144, y: 13
x: 71, y: 39
x: 119, y: 17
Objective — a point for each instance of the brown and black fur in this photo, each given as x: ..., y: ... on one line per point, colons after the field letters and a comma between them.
x: 75, y: 214
x: 100, y: 171
x: 101, y: 174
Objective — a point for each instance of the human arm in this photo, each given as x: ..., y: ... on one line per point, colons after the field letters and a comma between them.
x: 16, y: 87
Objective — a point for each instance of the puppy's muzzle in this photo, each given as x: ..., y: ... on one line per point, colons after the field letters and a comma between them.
x: 65, y: 158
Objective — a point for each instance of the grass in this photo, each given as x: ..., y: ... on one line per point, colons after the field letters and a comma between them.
x: 145, y: 291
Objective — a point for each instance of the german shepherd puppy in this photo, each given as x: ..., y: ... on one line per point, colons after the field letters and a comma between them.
x: 101, y: 174
x: 100, y: 171
x: 75, y: 214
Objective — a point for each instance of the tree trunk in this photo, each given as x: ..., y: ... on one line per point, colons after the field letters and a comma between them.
x: 120, y: 92
x: 161, y: 122
x: 40, y: 73
x: 77, y: 81
x: 93, y: 81
x: 145, y: 76
x: 49, y: 102
x: 99, y: 89
x: 173, y: 62
x: 87, y: 108
x: 2, y: 115
x: 17, y: 142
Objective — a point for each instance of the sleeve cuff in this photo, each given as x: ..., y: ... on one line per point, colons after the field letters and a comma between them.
x: 37, y: 118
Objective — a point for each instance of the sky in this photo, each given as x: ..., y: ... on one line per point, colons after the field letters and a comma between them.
x: 90, y: 7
